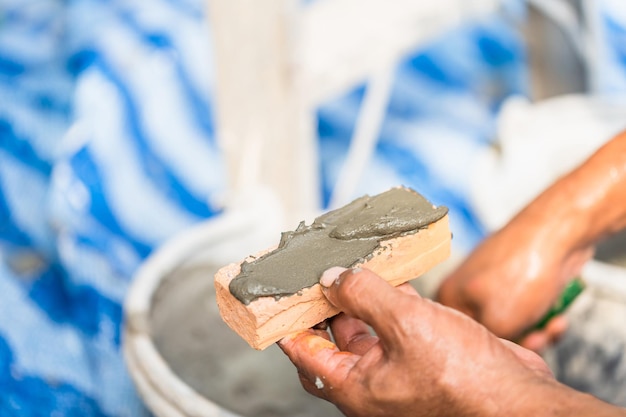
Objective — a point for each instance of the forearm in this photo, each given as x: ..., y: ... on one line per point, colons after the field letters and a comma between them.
x: 588, y: 203
x: 543, y: 246
x: 550, y: 398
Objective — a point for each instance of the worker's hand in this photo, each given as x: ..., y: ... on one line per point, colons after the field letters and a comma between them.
x: 510, y: 281
x: 513, y: 277
x: 425, y: 360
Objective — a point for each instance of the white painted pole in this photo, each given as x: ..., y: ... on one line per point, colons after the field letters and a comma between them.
x: 365, y: 137
x: 264, y: 127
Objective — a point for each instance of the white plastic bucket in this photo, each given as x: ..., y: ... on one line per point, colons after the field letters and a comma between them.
x: 183, y: 359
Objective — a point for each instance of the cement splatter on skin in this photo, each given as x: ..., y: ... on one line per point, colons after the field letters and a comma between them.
x: 342, y: 237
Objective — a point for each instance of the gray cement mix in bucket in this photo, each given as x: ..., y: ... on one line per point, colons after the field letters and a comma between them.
x: 209, y: 357
x: 613, y: 250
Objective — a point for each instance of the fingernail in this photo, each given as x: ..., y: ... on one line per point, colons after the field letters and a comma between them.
x: 290, y: 337
x: 330, y: 275
x: 287, y: 338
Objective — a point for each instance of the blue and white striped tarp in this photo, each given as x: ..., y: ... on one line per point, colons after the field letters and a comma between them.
x: 609, y: 47
x: 108, y: 148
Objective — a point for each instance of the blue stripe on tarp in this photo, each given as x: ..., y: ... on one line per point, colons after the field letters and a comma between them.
x: 428, y: 66
x: 153, y: 166
x: 9, y: 231
x: 334, y: 131
x: 6, y: 357
x: 405, y: 163
x: 80, y: 306
x: 616, y: 37
x: 101, y: 243
x: 48, y: 103
x: 10, y: 67
x: 195, y: 9
x: 155, y: 38
x: 21, y: 149
x: 29, y: 395
x: 338, y: 148
x: 80, y: 61
x: 472, y: 227
x: 330, y: 126
x: 493, y: 52
x: 404, y: 108
x: 200, y: 108
x: 82, y: 163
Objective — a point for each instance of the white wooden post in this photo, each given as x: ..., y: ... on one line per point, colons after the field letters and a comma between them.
x: 265, y: 128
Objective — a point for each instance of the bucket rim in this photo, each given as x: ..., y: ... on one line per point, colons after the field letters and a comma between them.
x: 161, y: 389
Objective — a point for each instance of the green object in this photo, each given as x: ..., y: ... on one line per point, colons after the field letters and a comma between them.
x: 569, y: 294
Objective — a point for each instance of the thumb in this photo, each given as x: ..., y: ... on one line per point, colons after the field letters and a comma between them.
x: 362, y: 294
